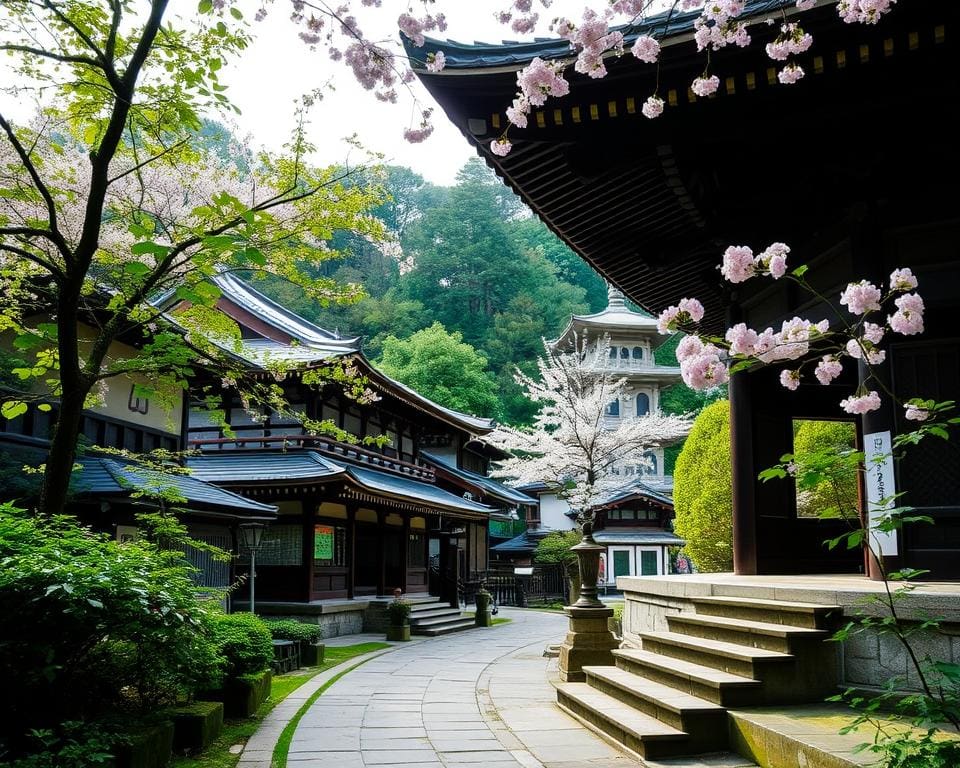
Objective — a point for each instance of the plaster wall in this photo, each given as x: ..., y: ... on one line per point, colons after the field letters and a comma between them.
x: 553, y: 513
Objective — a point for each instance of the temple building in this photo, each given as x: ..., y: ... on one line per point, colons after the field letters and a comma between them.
x: 635, y: 521
x: 345, y: 523
x: 853, y: 167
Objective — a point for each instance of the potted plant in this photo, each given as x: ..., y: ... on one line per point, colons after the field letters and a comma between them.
x: 398, y: 611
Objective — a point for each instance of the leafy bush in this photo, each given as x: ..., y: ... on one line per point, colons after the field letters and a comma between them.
x: 298, y: 631
x: 100, y: 626
x: 831, y: 490
x: 555, y: 547
x: 73, y: 744
x: 702, y: 495
x: 244, y: 642
x: 399, y: 612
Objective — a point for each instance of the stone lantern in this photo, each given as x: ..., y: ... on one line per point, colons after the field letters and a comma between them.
x: 589, y: 640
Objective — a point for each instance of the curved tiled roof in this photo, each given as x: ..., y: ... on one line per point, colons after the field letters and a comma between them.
x: 486, y: 485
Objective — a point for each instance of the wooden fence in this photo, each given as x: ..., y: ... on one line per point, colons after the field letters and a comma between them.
x: 546, y: 584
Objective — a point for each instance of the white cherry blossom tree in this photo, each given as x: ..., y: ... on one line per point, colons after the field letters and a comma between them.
x: 573, y: 446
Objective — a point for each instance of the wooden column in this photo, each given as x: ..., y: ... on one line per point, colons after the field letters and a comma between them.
x: 351, y: 549
x: 381, y: 554
x: 404, y: 542
x: 743, y: 474
x: 307, y: 508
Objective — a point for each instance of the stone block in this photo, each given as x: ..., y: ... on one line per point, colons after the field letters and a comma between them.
x: 196, y: 725
x: 588, y: 642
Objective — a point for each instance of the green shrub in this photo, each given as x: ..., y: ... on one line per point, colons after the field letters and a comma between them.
x: 243, y: 641
x: 555, y: 547
x: 100, y: 626
x: 73, y: 744
x: 298, y: 631
x: 832, y: 489
x: 399, y: 612
x: 702, y: 494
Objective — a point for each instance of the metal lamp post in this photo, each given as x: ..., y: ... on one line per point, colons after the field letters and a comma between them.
x: 251, y: 537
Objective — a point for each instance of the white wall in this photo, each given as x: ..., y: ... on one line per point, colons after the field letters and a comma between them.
x: 553, y: 513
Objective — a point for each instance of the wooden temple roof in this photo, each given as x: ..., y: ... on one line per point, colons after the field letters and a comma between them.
x: 651, y: 204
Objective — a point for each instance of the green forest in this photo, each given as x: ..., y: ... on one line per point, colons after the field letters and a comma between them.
x: 469, y: 287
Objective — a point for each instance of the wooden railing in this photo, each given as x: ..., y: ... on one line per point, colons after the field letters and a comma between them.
x: 546, y: 584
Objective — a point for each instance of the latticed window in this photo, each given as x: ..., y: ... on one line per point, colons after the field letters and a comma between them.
x: 282, y: 545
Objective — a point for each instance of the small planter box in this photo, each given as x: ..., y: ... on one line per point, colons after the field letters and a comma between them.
x: 241, y: 696
x: 148, y: 746
x: 398, y: 634
x: 312, y: 654
x: 196, y: 725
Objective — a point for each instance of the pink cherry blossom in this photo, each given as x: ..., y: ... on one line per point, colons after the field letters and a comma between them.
x: 693, y: 308
x: 790, y: 379
x: 916, y: 413
x: 873, y: 332
x: 859, y: 404
x: 743, y: 340
x: 646, y: 49
x: 689, y: 346
x: 902, y: 280
x: 864, y: 11
x: 805, y: 5
x: 518, y: 111
x: 774, y: 259
x: 540, y: 79
x: 738, y: 264
x: 828, y: 369
x: 793, y: 339
x: 501, y: 147
x: 790, y: 74
x: 436, y: 61
x: 860, y: 298
x: 791, y: 41
x: 652, y: 107
x: 908, y: 319
x: 667, y: 321
x: 705, y: 370
x: 705, y: 86
x: 864, y: 349
x: 765, y: 347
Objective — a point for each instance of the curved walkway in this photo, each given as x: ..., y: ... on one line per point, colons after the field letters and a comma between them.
x: 478, y: 698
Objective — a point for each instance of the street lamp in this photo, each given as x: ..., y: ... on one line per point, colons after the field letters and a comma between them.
x: 251, y: 538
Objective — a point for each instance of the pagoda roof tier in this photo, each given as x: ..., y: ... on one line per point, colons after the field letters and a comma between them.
x: 652, y: 204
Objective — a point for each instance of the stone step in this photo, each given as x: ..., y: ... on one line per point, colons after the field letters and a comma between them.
x: 704, y: 682
x: 785, y: 638
x: 728, y: 657
x: 435, y: 621
x: 704, y: 721
x: 433, y: 613
x: 446, y: 628
x: 634, y: 730
x: 812, y: 615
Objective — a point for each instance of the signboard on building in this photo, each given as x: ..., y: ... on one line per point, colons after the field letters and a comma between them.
x: 881, y: 489
x: 323, y: 542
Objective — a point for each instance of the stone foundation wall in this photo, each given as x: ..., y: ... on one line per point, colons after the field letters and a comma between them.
x: 649, y: 613
x: 870, y: 659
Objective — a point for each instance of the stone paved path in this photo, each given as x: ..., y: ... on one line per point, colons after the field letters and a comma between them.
x: 477, y: 698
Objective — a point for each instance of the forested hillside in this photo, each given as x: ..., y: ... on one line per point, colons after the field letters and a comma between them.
x: 471, y: 283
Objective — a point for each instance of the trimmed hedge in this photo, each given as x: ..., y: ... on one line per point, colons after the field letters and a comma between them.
x: 243, y: 641
x: 291, y: 629
x: 196, y: 725
x: 243, y: 695
x: 148, y: 746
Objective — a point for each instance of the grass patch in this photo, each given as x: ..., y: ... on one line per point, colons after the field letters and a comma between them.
x: 282, y: 749
x: 236, y: 732
x: 497, y: 621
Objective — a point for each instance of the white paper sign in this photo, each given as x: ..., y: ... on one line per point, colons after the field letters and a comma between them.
x: 880, y: 487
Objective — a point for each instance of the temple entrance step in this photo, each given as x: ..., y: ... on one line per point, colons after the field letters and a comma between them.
x: 811, y: 615
x: 434, y: 612
x: 444, y: 627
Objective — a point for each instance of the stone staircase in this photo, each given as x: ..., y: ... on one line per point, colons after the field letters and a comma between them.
x: 670, y: 697
x: 428, y: 616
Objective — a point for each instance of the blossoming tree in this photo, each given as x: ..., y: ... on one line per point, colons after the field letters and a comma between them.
x: 572, y: 446
x: 106, y: 201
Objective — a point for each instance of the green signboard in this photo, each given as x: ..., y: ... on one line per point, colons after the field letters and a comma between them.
x: 322, y: 542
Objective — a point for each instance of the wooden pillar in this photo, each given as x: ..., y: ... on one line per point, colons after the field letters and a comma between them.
x: 404, y: 542
x: 308, y: 517
x: 351, y: 549
x: 743, y: 476
x: 381, y: 554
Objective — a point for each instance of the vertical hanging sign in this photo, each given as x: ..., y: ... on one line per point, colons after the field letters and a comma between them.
x: 881, y: 488
x: 322, y: 542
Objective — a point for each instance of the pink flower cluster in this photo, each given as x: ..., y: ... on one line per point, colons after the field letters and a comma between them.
x: 592, y: 38
x: 902, y: 280
x: 790, y: 74
x: 859, y: 404
x: 705, y: 86
x: 436, y: 61
x: 828, y: 369
x: 421, y: 134
x: 739, y: 263
x: 864, y: 11
x: 790, y: 379
x: 908, y: 319
x: 536, y: 83
x: 717, y: 26
x: 414, y: 27
x: 646, y: 49
x: 652, y: 107
x: 915, y: 412
x: 860, y: 298
x: 686, y: 311
x: 791, y: 41
x: 700, y: 364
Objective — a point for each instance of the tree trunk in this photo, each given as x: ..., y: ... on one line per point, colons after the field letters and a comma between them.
x: 63, y: 452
